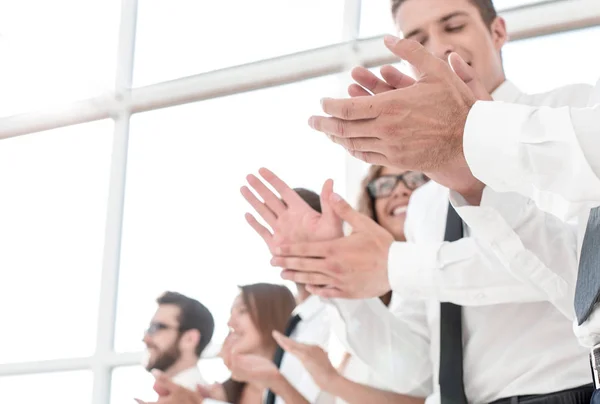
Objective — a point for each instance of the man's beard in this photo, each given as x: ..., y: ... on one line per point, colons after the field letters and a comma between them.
x: 165, y: 359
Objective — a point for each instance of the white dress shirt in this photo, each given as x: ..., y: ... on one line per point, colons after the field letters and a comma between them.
x: 516, y: 342
x: 357, y: 371
x: 314, y: 329
x: 552, y: 157
x: 189, y: 378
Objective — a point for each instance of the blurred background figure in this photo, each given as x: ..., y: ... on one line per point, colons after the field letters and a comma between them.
x: 177, y: 335
x: 256, y: 312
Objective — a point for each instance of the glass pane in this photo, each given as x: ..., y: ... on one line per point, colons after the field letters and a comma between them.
x: 184, y: 37
x: 184, y: 226
x: 59, y: 387
x: 135, y: 382
x: 559, y: 60
x: 56, y: 51
x: 376, y: 18
x: 53, y: 208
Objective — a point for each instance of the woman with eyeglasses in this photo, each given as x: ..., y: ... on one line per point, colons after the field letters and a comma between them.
x: 385, y: 193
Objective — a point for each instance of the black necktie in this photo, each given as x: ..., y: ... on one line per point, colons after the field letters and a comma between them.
x: 452, y: 390
x: 587, y: 288
x: 289, y: 329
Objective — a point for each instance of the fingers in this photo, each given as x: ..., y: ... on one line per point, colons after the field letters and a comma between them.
x: 289, y: 196
x: 415, y: 54
x: 359, y: 144
x: 304, y: 264
x: 395, y: 77
x: 260, y: 208
x: 260, y: 229
x: 289, y: 345
x: 354, y: 90
x: 165, y: 383
x: 271, y: 200
x: 468, y: 75
x: 317, y: 249
x: 329, y: 293
x: 357, y: 220
x: 373, y: 158
x: 342, y: 128
x: 309, y: 278
x: 203, y: 391
x: 370, y: 81
x: 326, y: 192
x: 351, y: 109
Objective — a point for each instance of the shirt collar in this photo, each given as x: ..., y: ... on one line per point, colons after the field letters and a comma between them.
x: 506, y: 92
x: 189, y: 378
x: 309, y: 308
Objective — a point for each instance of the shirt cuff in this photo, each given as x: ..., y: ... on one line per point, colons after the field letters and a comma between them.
x: 491, y: 141
x: 410, y: 269
x: 511, y: 206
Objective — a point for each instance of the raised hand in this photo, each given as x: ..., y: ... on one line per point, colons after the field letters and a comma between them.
x: 254, y: 369
x: 290, y: 217
x: 314, y: 359
x: 353, y: 266
x: 173, y: 393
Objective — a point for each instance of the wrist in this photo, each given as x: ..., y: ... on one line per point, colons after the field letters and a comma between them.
x: 336, y: 385
x: 278, y: 383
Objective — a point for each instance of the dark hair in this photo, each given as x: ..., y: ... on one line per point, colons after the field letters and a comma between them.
x: 366, y: 204
x: 486, y: 9
x: 193, y: 315
x: 311, y: 198
x: 270, y: 308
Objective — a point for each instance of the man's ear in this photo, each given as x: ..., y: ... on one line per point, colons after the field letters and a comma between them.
x: 191, y: 339
x: 499, y: 33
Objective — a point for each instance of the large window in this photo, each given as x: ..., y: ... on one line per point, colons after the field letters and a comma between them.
x: 54, y: 187
x: 184, y: 228
x: 179, y: 38
x: 543, y: 63
x: 60, y: 387
x: 56, y: 51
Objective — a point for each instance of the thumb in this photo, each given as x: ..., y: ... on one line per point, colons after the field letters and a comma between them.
x: 468, y: 75
x: 415, y: 54
x: 326, y: 192
x: 345, y: 212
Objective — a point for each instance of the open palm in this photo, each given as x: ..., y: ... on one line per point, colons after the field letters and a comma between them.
x: 289, y: 216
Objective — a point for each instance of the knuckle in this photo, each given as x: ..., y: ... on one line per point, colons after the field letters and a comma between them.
x: 340, y: 127
x: 346, y: 111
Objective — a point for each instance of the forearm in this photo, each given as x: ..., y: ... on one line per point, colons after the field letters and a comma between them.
x: 548, y: 149
x: 537, y: 248
x: 466, y: 272
x: 284, y: 389
x: 356, y: 393
x: 395, y: 346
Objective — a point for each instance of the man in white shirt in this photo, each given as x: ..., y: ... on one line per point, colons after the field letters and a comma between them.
x: 545, y: 154
x: 179, y: 331
x: 507, y: 350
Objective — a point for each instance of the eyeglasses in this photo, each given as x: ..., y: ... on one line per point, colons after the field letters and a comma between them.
x: 156, y: 327
x: 383, y: 186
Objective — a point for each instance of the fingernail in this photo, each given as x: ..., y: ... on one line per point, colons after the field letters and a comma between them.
x: 391, y: 40
x: 335, y: 197
x: 311, y: 122
x: 272, y: 262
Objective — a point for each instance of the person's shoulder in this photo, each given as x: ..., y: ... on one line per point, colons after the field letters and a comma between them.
x: 573, y: 95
